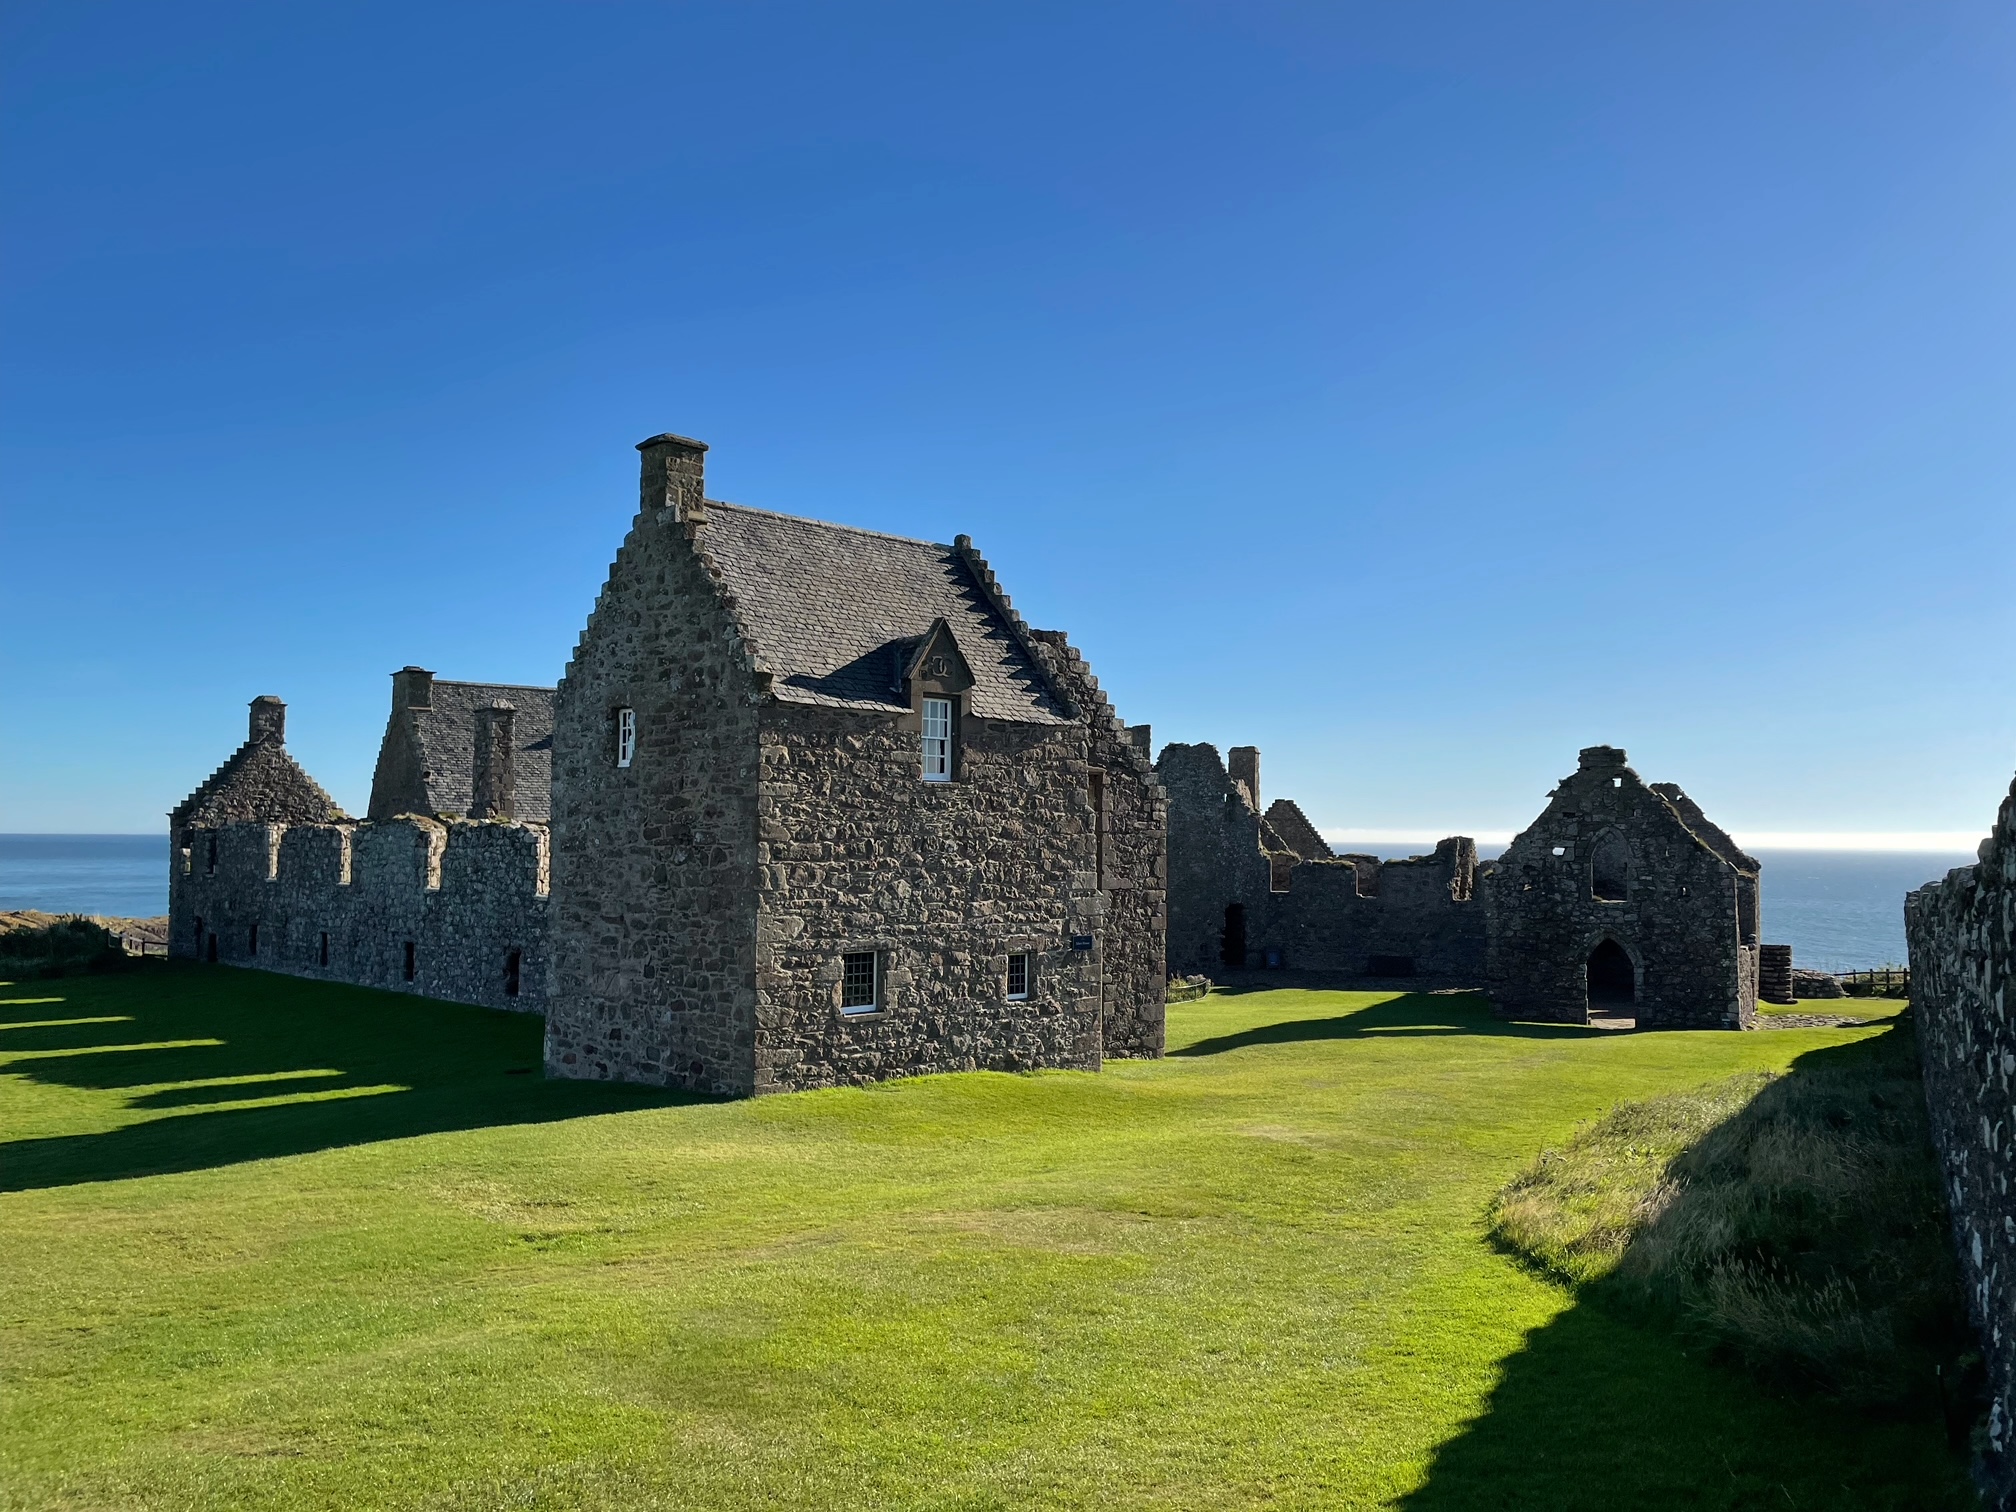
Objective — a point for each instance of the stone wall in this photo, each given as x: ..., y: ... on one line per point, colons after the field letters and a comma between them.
x: 1133, y: 864
x: 1962, y: 934
x: 941, y: 880
x: 347, y: 902
x: 1348, y: 915
x: 1677, y: 910
x: 655, y: 869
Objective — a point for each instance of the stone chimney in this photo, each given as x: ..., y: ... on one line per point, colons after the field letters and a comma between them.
x: 1595, y: 758
x: 496, y: 788
x: 269, y: 720
x: 674, y: 477
x: 412, y: 688
x: 1242, y: 763
x: 1142, y: 737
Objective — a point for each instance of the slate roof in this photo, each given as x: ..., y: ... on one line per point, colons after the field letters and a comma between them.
x: 260, y: 784
x: 834, y: 612
x: 447, y: 734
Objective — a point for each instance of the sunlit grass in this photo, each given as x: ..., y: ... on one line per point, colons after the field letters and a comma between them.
x: 1255, y: 1273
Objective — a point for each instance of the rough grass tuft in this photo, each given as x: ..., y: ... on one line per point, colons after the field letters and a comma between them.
x: 62, y: 948
x: 1793, y: 1222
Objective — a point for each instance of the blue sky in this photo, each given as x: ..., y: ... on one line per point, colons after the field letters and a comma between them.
x: 1417, y: 392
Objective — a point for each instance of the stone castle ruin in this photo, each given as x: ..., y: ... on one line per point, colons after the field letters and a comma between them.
x: 442, y: 892
x: 812, y: 805
x: 1620, y: 900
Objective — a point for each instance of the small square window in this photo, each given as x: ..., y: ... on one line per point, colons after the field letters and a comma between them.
x: 1018, y: 977
x: 626, y: 736
x: 860, y: 982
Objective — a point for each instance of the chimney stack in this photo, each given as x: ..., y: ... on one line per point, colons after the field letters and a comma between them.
x: 674, y: 477
x: 496, y: 788
x: 1243, y: 764
x: 412, y: 688
x: 269, y: 720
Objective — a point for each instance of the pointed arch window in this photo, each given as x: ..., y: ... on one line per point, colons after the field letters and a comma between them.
x: 1609, y: 868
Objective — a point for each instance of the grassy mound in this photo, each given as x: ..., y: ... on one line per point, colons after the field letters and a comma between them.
x: 63, y: 947
x: 1792, y: 1221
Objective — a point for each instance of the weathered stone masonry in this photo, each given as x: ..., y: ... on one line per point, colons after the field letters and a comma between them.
x: 1624, y: 897
x: 1243, y: 893
x: 773, y: 818
x: 1962, y: 933
x: 267, y: 871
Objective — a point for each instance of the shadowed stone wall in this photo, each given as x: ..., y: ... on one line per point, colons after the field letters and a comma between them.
x: 1962, y: 934
x: 344, y: 902
x: 1349, y: 915
x: 1611, y: 859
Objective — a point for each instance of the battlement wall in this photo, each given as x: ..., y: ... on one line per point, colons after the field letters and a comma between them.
x: 454, y: 910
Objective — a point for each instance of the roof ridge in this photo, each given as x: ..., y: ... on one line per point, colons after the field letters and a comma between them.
x: 464, y: 682
x: 778, y: 514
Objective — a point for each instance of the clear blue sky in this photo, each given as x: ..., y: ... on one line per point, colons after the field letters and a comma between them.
x: 1419, y: 392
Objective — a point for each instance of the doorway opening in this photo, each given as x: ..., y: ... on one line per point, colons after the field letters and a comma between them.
x: 1232, y: 949
x: 1612, y: 979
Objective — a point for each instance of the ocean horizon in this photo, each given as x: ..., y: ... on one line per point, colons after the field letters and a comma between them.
x: 1839, y: 910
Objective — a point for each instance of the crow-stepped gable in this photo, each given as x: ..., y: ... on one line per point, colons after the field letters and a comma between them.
x: 823, y: 809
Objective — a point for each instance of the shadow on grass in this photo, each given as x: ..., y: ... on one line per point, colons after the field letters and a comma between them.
x: 1413, y: 1013
x: 235, y: 1060
x: 1615, y: 1403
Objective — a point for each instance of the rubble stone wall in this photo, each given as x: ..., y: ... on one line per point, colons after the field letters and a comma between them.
x: 1677, y: 918
x: 1962, y: 933
x: 344, y: 902
x: 655, y: 864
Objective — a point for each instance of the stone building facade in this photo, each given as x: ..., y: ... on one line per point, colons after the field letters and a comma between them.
x: 1249, y: 890
x: 444, y: 902
x: 1962, y: 933
x: 1622, y: 898
x: 827, y: 811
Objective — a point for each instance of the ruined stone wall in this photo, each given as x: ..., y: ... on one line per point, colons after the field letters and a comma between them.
x: 1215, y: 859
x: 1351, y: 916
x: 1962, y: 934
x: 655, y: 864
x: 1677, y: 918
x: 941, y: 879
x: 1133, y: 864
x: 344, y: 902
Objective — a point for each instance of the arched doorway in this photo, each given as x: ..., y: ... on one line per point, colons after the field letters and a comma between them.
x: 1612, y: 979
x: 1232, y: 948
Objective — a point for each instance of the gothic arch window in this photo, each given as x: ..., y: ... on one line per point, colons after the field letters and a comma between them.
x: 1609, y: 868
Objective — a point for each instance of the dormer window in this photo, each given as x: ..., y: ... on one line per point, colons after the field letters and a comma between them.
x: 937, y: 740
x: 626, y: 736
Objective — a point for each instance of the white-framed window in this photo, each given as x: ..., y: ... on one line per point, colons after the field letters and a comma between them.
x: 937, y: 740
x: 860, y: 981
x: 1018, y: 977
x: 626, y: 736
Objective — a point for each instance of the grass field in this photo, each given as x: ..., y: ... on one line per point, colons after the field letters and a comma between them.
x: 277, y: 1244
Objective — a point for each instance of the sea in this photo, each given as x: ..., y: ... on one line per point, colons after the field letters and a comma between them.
x: 1838, y: 910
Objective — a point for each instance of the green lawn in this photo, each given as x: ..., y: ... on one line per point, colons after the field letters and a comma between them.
x: 269, y: 1243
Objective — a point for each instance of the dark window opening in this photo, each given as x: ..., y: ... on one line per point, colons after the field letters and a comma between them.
x: 511, y: 959
x: 1232, y: 948
x: 1095, y: 782
x: 210, y: 852
x: 1018, y: 977
x: 252, y: 941
x: 1612, y: 978
x: 210, y: 948
x: 1389, y: 965
x: 1609, y: 867
x: 322, y: 958
x: 860, y: 982
x: 411, y: 963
